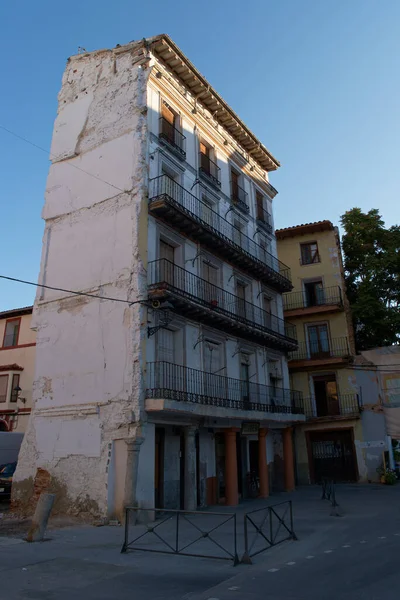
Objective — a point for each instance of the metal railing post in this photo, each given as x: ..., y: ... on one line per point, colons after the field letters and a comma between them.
x: 125, y: 544
x: 294, y: 536
x: 177, y: 533
x: 246, y: 560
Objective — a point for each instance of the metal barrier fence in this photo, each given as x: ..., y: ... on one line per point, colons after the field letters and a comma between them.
x: 271, y: 526
x: 188, y: 533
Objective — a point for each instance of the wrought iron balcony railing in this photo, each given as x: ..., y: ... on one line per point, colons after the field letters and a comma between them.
x: 239, y: 197
x: 175, y: 382
x: 334, y: 406
x: 223, y: 309
x: 172, y: 136
x: 318, y: 297
x: 209, y: 169
x: 264, y: 219
x: 196, y: 218
x: 322, y: 349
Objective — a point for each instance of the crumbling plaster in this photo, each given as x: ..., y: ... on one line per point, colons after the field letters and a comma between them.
x: 89, y: 352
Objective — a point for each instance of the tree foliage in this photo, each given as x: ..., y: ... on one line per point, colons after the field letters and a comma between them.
x: 372, y: 272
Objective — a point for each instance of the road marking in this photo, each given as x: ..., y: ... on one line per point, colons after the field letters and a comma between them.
x: 272, y: 570
x: 346, y: 546
x: 291, y: 563
x: 309, y: 556
x: 234, y: 588
x: 327, y: 551
x: 396, y: 534
x: 382, y: 537
x: 363, y: 542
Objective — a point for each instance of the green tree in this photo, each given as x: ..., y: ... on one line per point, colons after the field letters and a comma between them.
x: 372, y: 272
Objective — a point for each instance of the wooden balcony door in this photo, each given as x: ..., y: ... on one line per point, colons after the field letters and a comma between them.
x: 209, y: 290
x: 326, y: 395
x: 318, y: 341
x: 212, y: 369
x: 167, y: 252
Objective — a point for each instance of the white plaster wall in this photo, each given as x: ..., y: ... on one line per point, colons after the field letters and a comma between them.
x: 88, y: 383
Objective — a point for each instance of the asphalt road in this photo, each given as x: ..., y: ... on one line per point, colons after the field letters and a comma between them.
x: 351, y: 557
x: 366, y: 568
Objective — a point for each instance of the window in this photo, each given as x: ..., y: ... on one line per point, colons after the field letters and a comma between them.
x: 11, y: 333
x: 234, y: 185
x: 260, y: 206
x: 326, y: 395
x: 166, y: 345
x: 239, y: 234
x: 214, y: 384
x: 208, y: 284
x: 15, y: 384
x: 245, y: 378
x: 314, y: 293
x: 309, y: 253
x: 3, y: 387
x: 318, y: 340
x: 207, y: 213
x: 205, y: 157
x: 241, y: 298
x: 208, y: 165
x: 166, y: 264
x: 265, y: 252
x: 267, y: 311
x: 168, y: 123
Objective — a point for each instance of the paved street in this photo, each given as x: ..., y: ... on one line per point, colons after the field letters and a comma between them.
x: 352, y: 556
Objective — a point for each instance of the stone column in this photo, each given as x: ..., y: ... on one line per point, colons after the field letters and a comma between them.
x: 288, y: 459
x: 190, y: 469
x: 231, y: 474
x: 262, y: 463
x: 132, y: 463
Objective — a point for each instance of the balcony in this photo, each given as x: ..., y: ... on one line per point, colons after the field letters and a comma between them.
x: 196, y: 219
x: 239, y: 198
x: 173, y: 138
x: 332, y: 408
x: 200, y: 300
x: 176, y: 388
x: 264, y: 219
x: 209, y: 170
x: 329, y: 299
x: 320, y: 353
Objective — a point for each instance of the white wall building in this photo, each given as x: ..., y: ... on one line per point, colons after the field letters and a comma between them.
x: 158, y: 195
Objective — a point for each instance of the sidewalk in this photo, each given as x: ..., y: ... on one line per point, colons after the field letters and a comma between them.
x: 87, y: 560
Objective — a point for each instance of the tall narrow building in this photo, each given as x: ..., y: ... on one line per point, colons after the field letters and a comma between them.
x: 165, y: 382
x: 330, y: 443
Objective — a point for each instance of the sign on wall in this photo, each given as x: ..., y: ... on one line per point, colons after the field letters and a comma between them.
x: 250, y: 428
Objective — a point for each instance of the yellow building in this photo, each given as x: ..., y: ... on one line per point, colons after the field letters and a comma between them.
x: 17, y: 363
x: 329, y: 443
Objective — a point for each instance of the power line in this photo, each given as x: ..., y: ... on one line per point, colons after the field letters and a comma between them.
x: 20, y: 137
x: 50, y: 287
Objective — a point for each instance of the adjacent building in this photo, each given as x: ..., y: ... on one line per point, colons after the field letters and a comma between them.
x: 17, y: 360
x: 321, y: 367
x: 344, y: 435
x: 170, y: 387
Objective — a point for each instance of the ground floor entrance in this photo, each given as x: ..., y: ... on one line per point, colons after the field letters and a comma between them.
x: 332, y: 455
x: 190, y: 466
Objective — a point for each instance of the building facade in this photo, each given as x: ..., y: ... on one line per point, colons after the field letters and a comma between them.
x: 17, y: 360
x: 171, y: 386
x: 330, y: 442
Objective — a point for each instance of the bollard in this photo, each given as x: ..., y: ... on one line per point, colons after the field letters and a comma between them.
x: 41, y: 517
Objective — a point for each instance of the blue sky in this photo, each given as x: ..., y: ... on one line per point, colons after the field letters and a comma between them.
x: 317, y: 81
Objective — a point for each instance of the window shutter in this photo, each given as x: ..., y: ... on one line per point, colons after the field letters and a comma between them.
x: 166, y: 345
